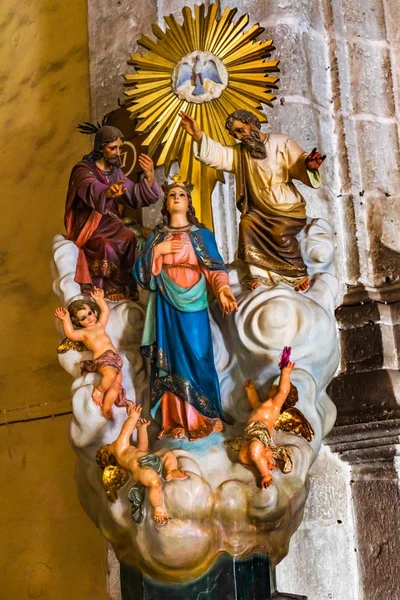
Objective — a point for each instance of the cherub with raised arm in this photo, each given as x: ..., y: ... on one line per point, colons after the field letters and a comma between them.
x: 144, y: 467
x: 256, y: 447
x: 91, y: 318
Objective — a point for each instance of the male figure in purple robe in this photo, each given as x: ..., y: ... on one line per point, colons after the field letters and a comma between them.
x: 97, y: 185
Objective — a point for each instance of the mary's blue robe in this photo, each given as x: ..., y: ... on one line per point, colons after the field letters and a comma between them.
x: 177, y: 334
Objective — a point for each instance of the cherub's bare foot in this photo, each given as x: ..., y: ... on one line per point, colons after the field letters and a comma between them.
x: 178, y: 432
x: 175, y: 474
x: 97, y: 396
x: 303, y: 285
x: 266, y: 481
x: 160, y: 515
x: 107, y: 414
x: 272, y: 466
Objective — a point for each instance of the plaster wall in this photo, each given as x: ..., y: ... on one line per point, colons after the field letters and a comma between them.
x: 44, y: 95
x: 50, y: 549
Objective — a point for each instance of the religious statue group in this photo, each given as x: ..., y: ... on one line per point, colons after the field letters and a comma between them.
x: 181, y: 268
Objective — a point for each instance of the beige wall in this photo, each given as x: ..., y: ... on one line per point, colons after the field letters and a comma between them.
x: 49, y: 549
x: 44, y: 94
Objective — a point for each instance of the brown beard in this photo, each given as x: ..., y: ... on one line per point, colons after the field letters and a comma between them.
x: 254, y: 145
x: 113, y: 162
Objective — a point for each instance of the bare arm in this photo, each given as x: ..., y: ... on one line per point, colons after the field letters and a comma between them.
x: 284, y: 385
x: 143, y: 437
x: 252, y: 394
x: 69, y: 331
x: 98, y: 296
x: 123, y: 440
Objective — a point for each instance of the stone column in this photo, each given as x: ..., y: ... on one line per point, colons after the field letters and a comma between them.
x: 371, y: 450
x: 367, y: 389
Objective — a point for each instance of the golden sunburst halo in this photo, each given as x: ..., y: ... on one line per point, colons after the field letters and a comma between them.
x: 242, y: 80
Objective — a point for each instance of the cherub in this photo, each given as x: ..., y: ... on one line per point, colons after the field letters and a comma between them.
x: 92, y: 318
x: 145, y: 468
x: 256, y: 447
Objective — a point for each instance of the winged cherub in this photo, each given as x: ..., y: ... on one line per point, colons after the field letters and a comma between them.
x: 256, y: 447
x: 91, y: 318
x: 121, y: 458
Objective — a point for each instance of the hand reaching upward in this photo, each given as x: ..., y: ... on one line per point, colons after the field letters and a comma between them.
x: 191, y: 126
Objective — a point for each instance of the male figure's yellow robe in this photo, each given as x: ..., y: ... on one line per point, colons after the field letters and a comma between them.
x: 273, y: 210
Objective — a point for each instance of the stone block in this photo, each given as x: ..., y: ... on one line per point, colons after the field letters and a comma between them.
x: 395, y: 67
x: 329, y: 494
x: 291, y: 48
x: 109, y: 52
x: 321, y: 563
x: 379, y: 157
x: 392, y: 9
x: 365, y: 397
x: 383, y: 222
x: 301, y: 13
x: 361, y: 18
x: 376, y: 501
x: 370, y: 78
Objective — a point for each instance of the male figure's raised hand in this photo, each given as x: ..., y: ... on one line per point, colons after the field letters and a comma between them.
x: 314, y: 160
x: 147, y: 164
x: 191, y: 126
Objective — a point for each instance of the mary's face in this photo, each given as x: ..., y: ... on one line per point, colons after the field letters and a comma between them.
x: 177, y: 201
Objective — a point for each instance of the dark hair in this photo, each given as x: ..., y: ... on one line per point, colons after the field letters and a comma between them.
x: 104, y: 458
x: 292, y: 398
x: 244, y: 116
x: 191, y: 213
x: 78, y: 305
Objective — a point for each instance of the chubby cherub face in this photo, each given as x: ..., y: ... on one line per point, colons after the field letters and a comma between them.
x: 86, y: 316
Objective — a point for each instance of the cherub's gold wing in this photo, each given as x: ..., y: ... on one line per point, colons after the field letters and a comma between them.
x: 67, y: 344
x: 113, y: 479
x: 294, y: 421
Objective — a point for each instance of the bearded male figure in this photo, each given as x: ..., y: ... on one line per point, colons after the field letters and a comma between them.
x: 96, y: 186
x: 273, y: 210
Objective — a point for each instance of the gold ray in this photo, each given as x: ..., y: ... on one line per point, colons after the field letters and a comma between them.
x: 156, y: 114
x: 256, y: 66
x: 145, y: 88
x: 249, y: 35
x: 200, y: 22
x: 158, y: 32
x: 189, y: 29
x: 151, y: 61
x: 222, y: 25
x: 158, y: 131
x: 234, y: 36
x: 210, y: 26
x: 250, y: 51
x: 154, y: 110
x: 151, y: 99
x: 176, y: 30
x: 241, y: 101
x: 170, y: 144
x: 149, y: 76
x: 168, y: 43
x: 253, y: 91
x: 256, y: 79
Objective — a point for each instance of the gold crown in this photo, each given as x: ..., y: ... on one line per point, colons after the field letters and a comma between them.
x: 177, y: 181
